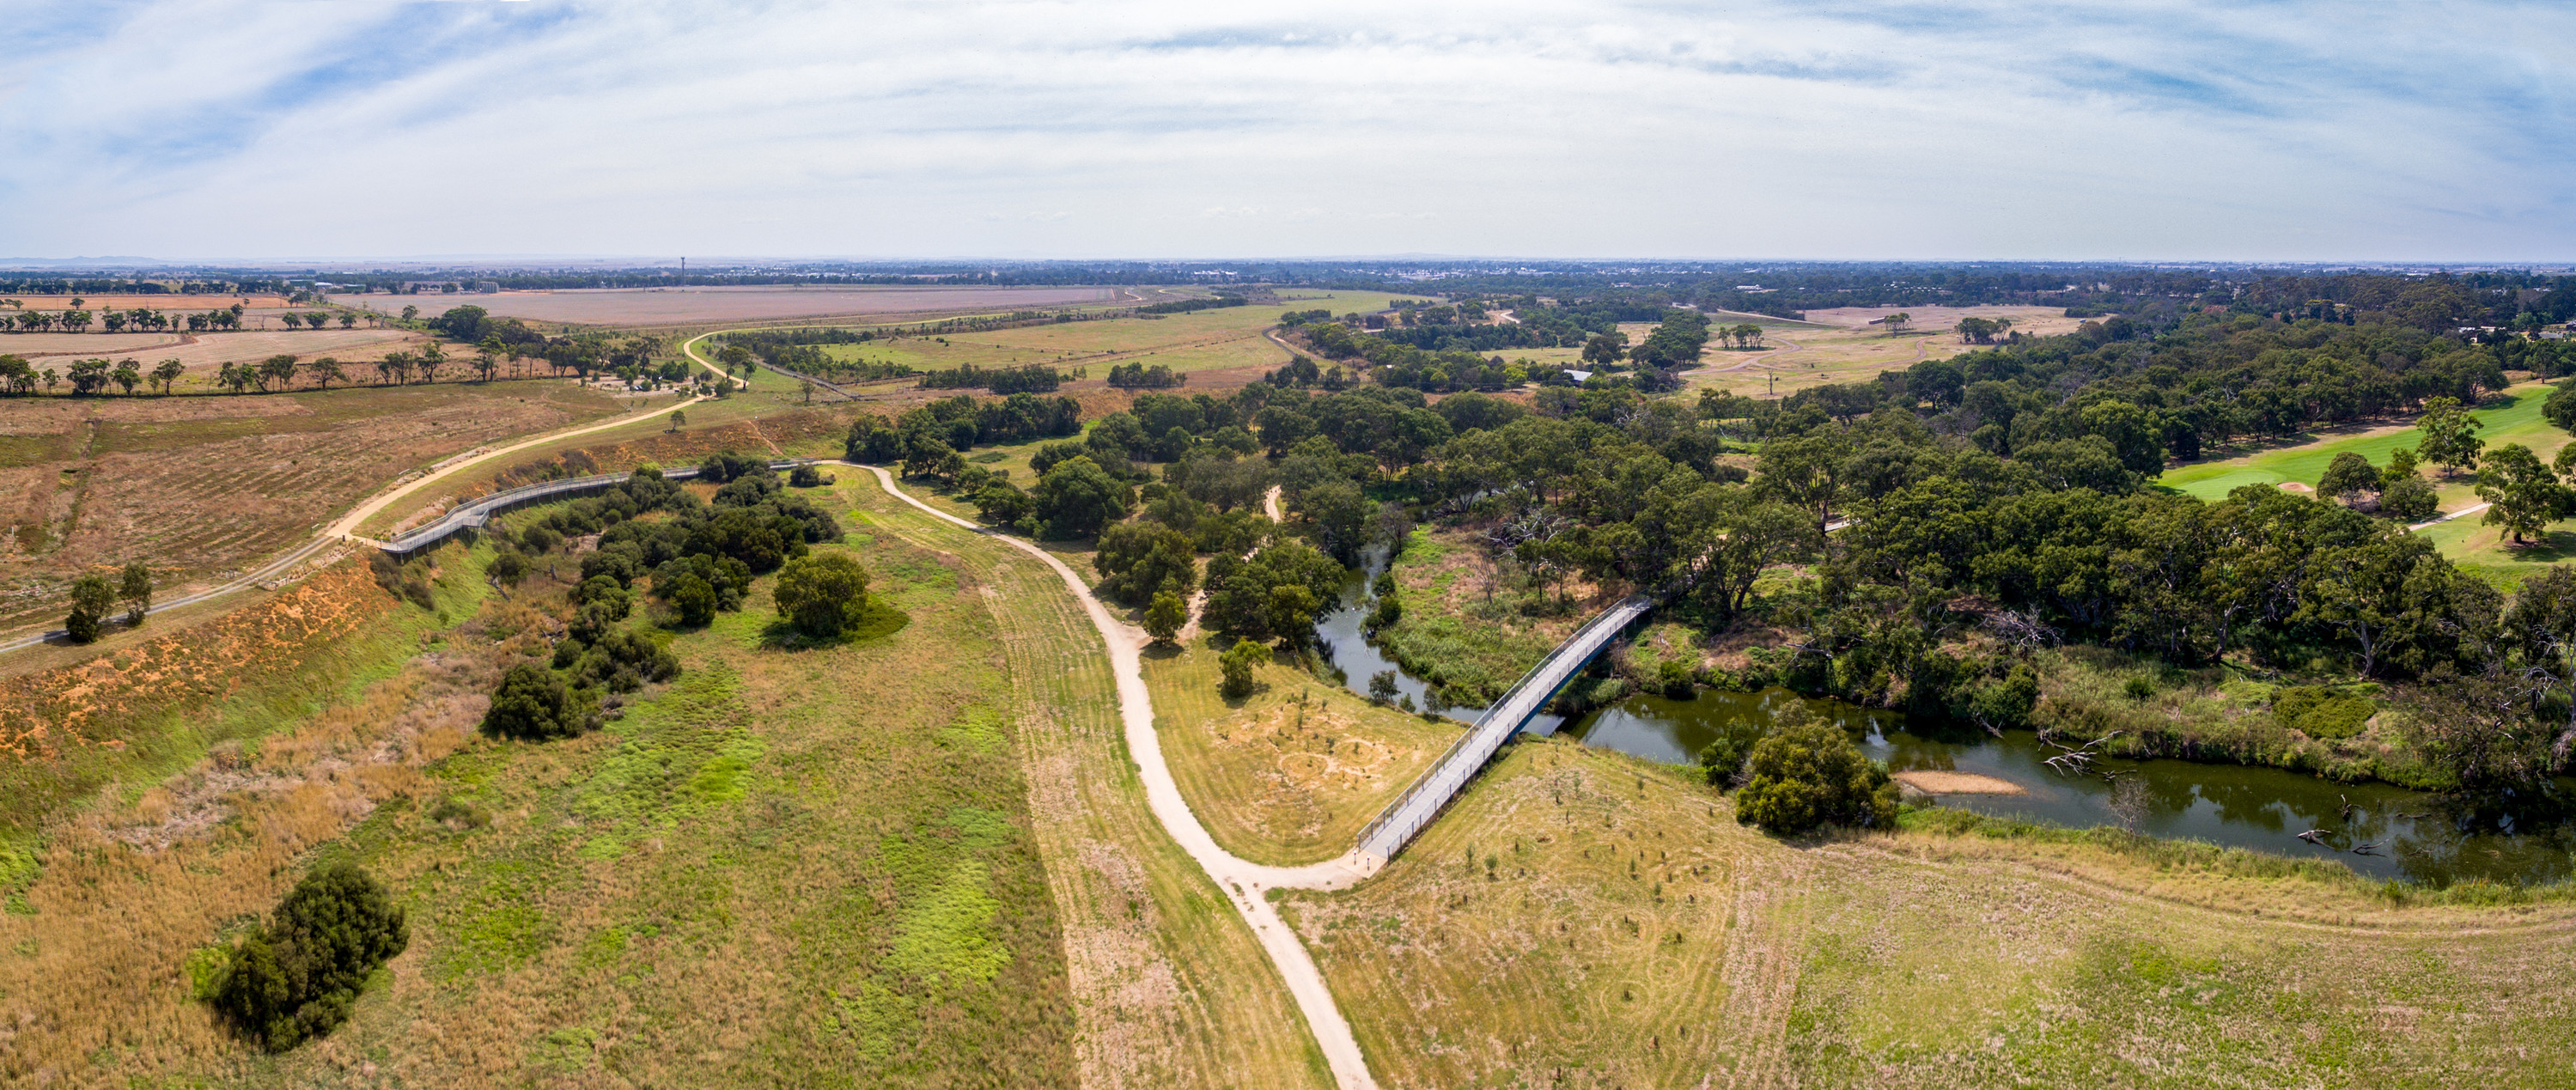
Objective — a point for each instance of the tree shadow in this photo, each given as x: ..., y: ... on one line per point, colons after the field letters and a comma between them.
x: 2552, y: 547
x: 877, y: 621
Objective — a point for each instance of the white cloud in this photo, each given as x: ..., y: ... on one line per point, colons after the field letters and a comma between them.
x: 1164, y: 129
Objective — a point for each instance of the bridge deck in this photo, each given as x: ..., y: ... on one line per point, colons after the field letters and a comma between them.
x: 1406, y: 817
x: 472, y: 516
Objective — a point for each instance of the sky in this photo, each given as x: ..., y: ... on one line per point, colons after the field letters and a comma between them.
x: 1965, y: 129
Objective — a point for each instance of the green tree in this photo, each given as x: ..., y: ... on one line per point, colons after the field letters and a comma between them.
x: 167, y: 372
x: 1140, y: 560
x: 533, y: 705
x: 509, y: 567
x: 1810, y: 774
x: 822, y: 593
x: 2450, y: 436
x: 298, y: 977
x: 134, y: 588
x: 2348, y: 477
x: 2523, y: 495
x: 1164, y: 618
x: 126, y: 376
x: 2410, y: 499
x: 1076, y: 499
x: 326, y: 371
x: 1605, y: 348
x: 695, y: 598
x: 91, y: 599
x: 1237, y: 664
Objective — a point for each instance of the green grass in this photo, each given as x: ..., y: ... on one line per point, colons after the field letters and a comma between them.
x: 2517, y: 421
x: 1287, y: 775
x: 1583, y: 918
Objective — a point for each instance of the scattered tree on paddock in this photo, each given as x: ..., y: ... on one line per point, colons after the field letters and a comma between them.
x: 822, y: 593
x: 299, y: 976
x: 134, y: 588
x: 91, y: 599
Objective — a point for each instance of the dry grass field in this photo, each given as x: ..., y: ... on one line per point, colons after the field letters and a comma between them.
x: 1217, y: 348
x: 696, y: 305
x: 1581, y: 918
x: 171, y: 304
x: 1852, y: 350
x: 205, y: 354
x: 1287, y: 775
x: 39, y: 345
x: 196, y: 486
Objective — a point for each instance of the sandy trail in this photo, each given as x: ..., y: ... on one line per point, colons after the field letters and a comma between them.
x: 1247, y: 884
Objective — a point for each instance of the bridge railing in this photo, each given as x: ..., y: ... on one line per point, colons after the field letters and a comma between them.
x: 483, y: 506
x: 1437, y: 776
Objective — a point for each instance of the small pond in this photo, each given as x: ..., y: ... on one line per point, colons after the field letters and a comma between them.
x: 2412, y: 835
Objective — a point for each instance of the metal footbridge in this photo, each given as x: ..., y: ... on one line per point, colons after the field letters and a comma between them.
x: 1410, y: 812
x: 472, y: 516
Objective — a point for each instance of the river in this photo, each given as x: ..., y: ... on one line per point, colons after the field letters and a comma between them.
x: 2409, y: 835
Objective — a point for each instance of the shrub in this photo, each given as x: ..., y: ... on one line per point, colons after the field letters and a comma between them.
x: 1237, y: 663
x: 299, y: 976
x: 1809, y: 774
x: 807, y: 476
x: 1722, y: 759
x: 533, y: 704
x: 823, y: 593
x: 1164, y: 618
x: 2321, y: 712
x: 695, y: 598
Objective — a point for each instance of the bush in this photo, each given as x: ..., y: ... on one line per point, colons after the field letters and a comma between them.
x: 533, y: 704
x: 807, y: 476
x: 299, y: 977
x: 1722, y: 759
x: 695, y: 598
x: 1809, y: 774
x: 822, y: 594
x: 2321, y: 712
x: 1237, y: 663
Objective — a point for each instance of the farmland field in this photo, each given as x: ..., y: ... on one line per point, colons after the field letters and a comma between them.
x: 1230, y: 340
x: 208, y: 352
x: 34, y: 345
x: 194, y: 486
x: 168, y: 304
x: 1851, y: 350
x: 672, y: 306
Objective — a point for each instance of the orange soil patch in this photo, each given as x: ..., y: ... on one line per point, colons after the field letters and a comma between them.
x: 630, y: 306
x: 46, y: 716
x: 1958, y: 783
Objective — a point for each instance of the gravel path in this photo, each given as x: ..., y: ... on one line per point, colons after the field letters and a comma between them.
x: 1247, y: 884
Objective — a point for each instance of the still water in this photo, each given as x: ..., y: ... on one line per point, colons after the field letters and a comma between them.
x: 2408, y: 835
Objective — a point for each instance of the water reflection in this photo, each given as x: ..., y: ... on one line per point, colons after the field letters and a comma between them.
x: 2411, y: 835
x: 2404, y: 834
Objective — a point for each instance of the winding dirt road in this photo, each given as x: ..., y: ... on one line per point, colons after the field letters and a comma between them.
x: 1247, y: 884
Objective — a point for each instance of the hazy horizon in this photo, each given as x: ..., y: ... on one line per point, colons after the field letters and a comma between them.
x: 2170, y: 133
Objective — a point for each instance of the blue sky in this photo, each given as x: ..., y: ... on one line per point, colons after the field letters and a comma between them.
x: 2175, y: 130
